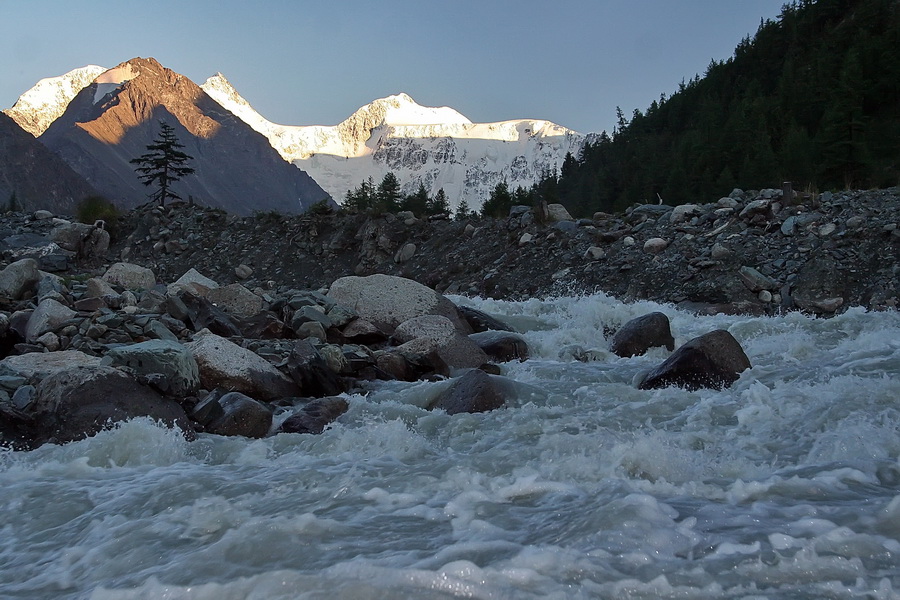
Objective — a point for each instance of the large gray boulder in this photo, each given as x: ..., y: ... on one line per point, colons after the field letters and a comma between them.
x: 236, y: 300
x: 35, y: 366
x: 226, y: 365
x: 387, y: 300
x: 18, y: 278
x: 48, y: 316
x: 640, y: 334
x: 435, y: 333
x: 130, y: 277
x: 712, y: 360
x: 194, y: 282
x: 472, y: 393
x: 180, y: 375
x: 79, y: 402
x: 83, y: 239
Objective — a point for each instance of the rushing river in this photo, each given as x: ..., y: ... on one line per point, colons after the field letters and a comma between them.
x: 786, y: 485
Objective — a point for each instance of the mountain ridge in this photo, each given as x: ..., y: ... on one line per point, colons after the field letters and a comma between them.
x: 114, y: 118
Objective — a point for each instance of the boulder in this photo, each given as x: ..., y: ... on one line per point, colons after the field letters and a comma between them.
x: 130, y: 277
x: 481, y: 321
x: 315, y: 416
x: 84, y: 240
x: 36, y: 366
x: 310, y: 371
x: 233, y: 413
x: 712, y: 360
x: 472, y: 393
x: 202, y: 314
x: 437, y: 333
x: 18, y: 278
x: 387, y: 300
x: 640, y: 334
x: 501, y: 346
x: 558, y: 212
x: 756, y: 281
x: 48, y: 316
x: 236, y: 300
x: 176, y: 364
x: 225, y: 364
x: 78, y: 402
x: 98, y: 288
x: 683, y: 212
x: 194, y: 282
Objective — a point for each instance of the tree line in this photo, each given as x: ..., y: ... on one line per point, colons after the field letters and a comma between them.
x: 812, y: 98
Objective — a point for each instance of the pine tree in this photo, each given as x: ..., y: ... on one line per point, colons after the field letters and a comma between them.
x: 499, y: 203
x: 387, y: 197
x: 417, y: 203
x: 163, y: 164
x: 462, y: 211
x: 439, y: 205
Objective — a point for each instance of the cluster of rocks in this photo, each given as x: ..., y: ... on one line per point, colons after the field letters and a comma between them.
x: 750, y: 252
x: 79, y: 354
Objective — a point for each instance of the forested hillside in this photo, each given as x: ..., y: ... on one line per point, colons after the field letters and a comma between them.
x: 812, y: 98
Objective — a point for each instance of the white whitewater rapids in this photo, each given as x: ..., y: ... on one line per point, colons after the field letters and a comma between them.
x: 786, y: 485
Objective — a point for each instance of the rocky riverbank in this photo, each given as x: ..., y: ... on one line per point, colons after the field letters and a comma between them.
x: 249, y: 326
x: 747, y: 252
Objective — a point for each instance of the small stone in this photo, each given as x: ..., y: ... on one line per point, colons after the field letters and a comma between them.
x: 827, y: 229
x: 594, y: 253
x: 765, y: 296
x: 628, y: 240
x: 242, y: 271
x: 655, y: 245
x: 719, y: 252
x: 525, y: 239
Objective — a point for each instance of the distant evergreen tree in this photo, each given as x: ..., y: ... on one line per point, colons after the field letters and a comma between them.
x: 417, y: 202
x: 439, y: 205
x: 361, y: 198
x: 463, y: 211
x: 13, y: 203
x: 813, y: 98
x: 499, y: 203
x: 388, y: 196
x: 163, y: 164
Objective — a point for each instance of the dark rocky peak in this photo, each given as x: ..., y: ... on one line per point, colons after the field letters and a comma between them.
x: 114, y: 119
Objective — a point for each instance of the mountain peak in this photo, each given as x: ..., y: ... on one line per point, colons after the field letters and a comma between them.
x: 401, y: 109
x: 49, y: 97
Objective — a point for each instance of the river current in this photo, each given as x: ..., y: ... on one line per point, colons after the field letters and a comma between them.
x: 785, y: 485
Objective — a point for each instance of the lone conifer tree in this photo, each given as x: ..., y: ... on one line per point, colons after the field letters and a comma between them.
x: 163, y: 164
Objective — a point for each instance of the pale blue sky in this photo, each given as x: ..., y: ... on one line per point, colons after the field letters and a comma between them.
x: 314, y: 63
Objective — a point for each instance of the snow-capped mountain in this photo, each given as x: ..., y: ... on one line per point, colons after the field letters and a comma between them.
x: 48, y: 99
x: 437, y: 147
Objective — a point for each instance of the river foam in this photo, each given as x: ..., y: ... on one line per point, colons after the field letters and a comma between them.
x: 786, y: 485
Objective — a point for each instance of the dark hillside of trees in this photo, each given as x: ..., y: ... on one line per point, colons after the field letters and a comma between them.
x: 813, y: 98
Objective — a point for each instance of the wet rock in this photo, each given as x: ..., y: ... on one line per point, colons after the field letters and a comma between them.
x: 203, y: 314
x: 311, y: 373
x: 713, y: 360
x: 640, y: 334
x: 501, y: 346
x: 437, y: 333
x: 474, y: 392
x: 481, y: 321
x: 225, y: 364
x: 315, y: 416
x: 172, y: 360
x: 233, y: 413
x: 79, y: 402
